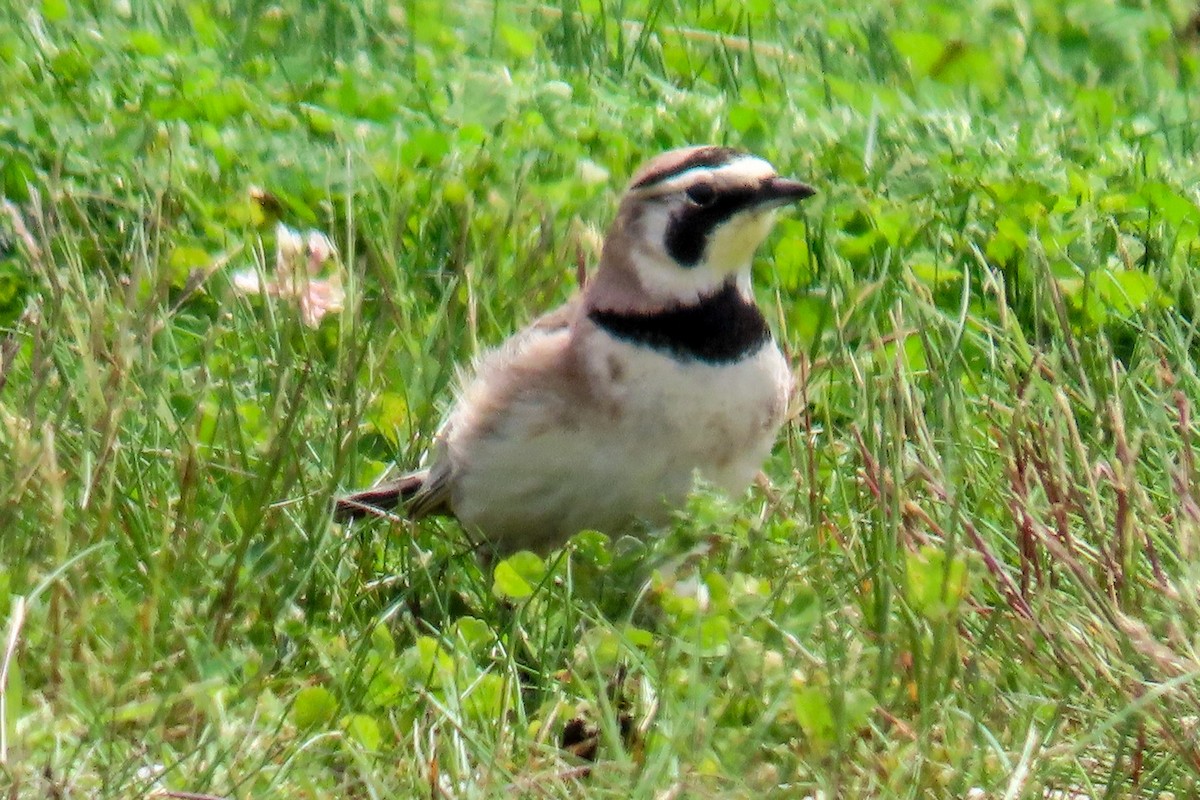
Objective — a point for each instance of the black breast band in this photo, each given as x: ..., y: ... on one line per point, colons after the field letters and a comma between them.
x: 719, y: 329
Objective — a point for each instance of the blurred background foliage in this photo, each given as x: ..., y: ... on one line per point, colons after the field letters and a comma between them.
x: 976, y: 566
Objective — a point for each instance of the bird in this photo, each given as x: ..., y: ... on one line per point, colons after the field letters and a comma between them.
x: 600, y: 414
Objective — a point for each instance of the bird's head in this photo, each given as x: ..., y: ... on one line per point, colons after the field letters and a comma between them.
x: 691, y: 220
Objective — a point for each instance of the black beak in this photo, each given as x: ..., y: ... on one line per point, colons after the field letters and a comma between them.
x: 779, y: 191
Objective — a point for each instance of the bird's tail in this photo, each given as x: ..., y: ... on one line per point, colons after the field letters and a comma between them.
x: 384, y: 497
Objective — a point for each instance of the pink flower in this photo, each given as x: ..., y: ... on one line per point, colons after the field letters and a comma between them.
x: 299, y: 262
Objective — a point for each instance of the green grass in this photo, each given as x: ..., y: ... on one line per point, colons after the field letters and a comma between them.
x: 975, y: 565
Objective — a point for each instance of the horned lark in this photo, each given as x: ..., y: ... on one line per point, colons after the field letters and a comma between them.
x: 600, y: 414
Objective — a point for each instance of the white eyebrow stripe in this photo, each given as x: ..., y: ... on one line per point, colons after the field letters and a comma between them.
x: 747, y: 169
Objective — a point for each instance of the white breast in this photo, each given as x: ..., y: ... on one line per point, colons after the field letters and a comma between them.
x: 718, y: 419
x: 534, y: 482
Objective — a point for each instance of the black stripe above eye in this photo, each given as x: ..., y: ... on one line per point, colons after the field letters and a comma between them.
x: 701, y: 157
x: 689, y: 227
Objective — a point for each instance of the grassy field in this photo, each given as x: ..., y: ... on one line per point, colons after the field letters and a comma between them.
x: 973, y: 573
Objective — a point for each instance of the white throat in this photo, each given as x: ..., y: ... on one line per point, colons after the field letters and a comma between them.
x: 668, y: 284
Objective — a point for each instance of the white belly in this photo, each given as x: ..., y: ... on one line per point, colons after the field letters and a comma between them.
x: 717, y: 419
x: 536, y: 484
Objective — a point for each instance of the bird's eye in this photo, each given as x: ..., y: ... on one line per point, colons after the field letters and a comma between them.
x: 702, y: 194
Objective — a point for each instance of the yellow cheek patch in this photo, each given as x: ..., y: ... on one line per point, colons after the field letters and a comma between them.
x: 732, y: 245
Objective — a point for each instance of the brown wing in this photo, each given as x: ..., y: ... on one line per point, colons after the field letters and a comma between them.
x: 428, y: 491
